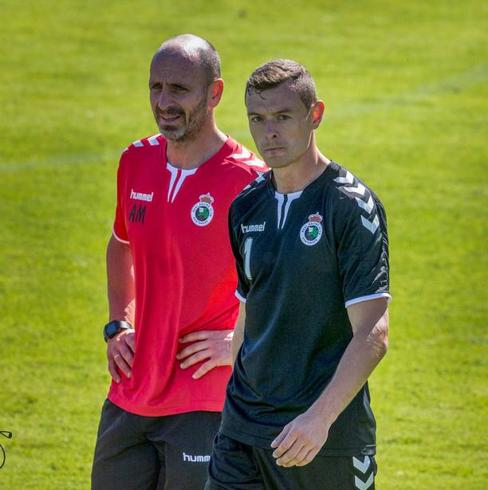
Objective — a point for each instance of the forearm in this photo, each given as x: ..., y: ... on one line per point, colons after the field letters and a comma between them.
x: 360, y: 358
x: 238, y: 336
x: 120, y: 282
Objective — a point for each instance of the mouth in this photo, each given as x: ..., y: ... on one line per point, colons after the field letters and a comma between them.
x: 169, y: 118
x: 274, y: 149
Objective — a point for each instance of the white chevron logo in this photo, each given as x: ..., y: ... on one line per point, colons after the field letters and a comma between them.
x: 367, y: 206
x: 153, y: 140
x: 358, y: 189
x: 363, y: 485
x: 372, y: 226
x: 362, y: 466
x: 348, y: 179
x: 245, y: 156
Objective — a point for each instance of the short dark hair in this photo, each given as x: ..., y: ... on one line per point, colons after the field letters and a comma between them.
x: 279, y: 71
x: 195, y: 46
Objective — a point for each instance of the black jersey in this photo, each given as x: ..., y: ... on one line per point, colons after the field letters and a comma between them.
x: 302, y: 258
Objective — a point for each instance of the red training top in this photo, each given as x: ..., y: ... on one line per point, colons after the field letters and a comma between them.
x: 175, y: 221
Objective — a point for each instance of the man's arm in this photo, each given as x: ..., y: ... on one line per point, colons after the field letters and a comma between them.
x: 121, y: 304
x: 238, y: 337
x: 301, y: 439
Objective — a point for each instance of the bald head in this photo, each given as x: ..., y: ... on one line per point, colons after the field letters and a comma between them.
x: 195, y: 50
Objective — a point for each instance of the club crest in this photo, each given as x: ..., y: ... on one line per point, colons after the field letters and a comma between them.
x: 202, y: 212
x: 311, y: 231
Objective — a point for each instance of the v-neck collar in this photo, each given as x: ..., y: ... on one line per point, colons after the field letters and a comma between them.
x: 320, y: 180
x: 228, y: 147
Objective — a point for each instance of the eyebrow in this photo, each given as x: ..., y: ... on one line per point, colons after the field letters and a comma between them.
x: 281, y: 111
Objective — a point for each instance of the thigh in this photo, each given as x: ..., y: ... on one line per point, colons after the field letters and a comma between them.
x: 184, y: 442
x: 232, y: 467
x: 323, y: 473
x: 123, y: 458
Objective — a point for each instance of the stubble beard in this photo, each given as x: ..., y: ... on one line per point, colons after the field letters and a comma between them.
x: 192, y: 126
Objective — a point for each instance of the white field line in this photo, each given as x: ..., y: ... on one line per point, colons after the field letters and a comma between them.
x: 469, y: 78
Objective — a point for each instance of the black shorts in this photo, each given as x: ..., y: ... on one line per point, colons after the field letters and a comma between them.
x: 237, y: 466
x: 141, y: 453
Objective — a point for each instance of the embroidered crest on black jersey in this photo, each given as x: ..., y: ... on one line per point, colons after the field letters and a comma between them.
x: 311, y: 231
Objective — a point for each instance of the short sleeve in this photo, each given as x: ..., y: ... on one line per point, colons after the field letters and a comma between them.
x: 119, y: 228
x: 242, y: 281
x: 362, y: 250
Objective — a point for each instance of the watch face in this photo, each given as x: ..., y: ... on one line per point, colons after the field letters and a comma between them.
x: 111, y: 329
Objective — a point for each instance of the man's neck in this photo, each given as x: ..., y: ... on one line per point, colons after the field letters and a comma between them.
x: 298, y: 175
x: 191, y: 154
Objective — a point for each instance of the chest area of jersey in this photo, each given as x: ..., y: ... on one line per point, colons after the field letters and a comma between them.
x: 283, y: 237
x: 175, y: 203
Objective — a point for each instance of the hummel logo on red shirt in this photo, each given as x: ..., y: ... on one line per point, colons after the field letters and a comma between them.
x: 140, y: 196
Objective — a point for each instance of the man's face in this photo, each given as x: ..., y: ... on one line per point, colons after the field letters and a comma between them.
x: 178, y: 93
x: 280, y: 124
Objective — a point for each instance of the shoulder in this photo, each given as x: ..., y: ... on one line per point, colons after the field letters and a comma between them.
x: 251, y: 194
x: 143, y: 147
x: 244, y: 161
x: 353, y: 201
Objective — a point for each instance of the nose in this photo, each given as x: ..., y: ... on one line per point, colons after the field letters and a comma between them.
x: 270, y: 130
x: 164, y: 99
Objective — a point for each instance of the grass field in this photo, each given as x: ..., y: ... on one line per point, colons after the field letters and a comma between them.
x: 406, y: 90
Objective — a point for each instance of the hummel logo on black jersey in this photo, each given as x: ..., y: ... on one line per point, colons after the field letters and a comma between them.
x: 250, y: 228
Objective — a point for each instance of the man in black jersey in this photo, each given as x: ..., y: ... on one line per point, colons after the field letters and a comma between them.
x: 311, y: 249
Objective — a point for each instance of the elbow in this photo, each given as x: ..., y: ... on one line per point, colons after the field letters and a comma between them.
x: 383, y: 341
x: 379, y: 340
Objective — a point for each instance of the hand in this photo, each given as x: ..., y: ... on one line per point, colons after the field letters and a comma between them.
x: 213, y: 345
x: 120, y: 354
x: 300, y: 440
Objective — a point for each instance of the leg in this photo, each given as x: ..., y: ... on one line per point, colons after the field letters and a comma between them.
x: 184, y: 442
x: 232, y: 467
x: 124, y: 459
x: 324, y: 473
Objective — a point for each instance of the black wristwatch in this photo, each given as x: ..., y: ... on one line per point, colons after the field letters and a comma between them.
x: 114, y: 327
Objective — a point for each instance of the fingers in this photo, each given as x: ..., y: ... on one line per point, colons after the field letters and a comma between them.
x: 286, y: 442
x: 208, y: 334
x: 198, y: 357
x: 204, y: 369
x: 120, y: 354
x: 194, y: 336
x: 294, y: 456
x: 192, y: 349
x: 122, y: 364
x: 130, y: 340
x: 309, y: 457
x: 280, y: 437
x: 112, y: 369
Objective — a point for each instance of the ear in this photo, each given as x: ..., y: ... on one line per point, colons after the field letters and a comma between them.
x: 215, y: 91
x: 317, y: 113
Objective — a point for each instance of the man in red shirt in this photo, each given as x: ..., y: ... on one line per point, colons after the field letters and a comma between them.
x: 171, y: 281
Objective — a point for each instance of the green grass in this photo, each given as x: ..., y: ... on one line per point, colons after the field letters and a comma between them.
x: 406, y: 91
